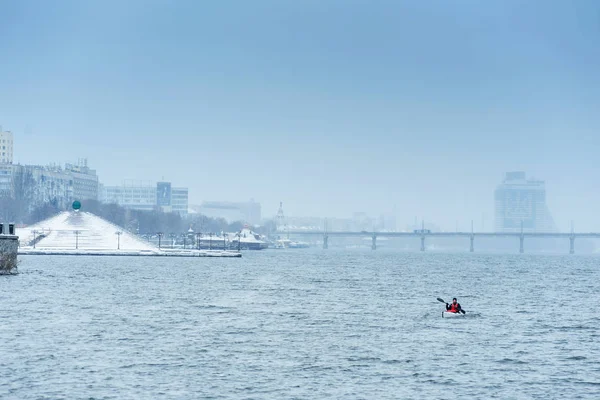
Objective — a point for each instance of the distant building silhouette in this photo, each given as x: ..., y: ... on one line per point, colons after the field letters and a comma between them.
x: 85, y: 180
x: 147, y: 196
x: 522, y: 202
x: 248, y: 212
x: 6, y: 147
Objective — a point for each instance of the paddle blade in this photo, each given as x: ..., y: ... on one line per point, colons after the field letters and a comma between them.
x: 441, y: 300
x: 463, y: 311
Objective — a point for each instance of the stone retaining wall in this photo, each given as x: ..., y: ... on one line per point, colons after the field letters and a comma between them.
x: 9, y: 246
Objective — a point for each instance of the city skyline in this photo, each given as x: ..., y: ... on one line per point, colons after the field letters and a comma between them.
x: 83, y: 174
x: 420, y: 108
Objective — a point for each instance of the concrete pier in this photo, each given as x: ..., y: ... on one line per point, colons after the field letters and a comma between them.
x: 522, y: 244
x: 572, y: 243
x: 9, y: 247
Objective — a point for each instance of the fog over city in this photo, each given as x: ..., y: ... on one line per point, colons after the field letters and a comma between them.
x: 410, y: 109
x: 299, y: 199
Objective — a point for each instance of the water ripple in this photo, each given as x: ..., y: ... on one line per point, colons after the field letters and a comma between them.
x: 307, y: 324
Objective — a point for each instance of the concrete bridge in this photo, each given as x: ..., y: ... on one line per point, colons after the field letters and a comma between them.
x: 423, y: 234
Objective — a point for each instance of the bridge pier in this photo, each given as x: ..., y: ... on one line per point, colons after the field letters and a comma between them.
x: 522, y: 247
x: 572, y: 249
x: 422, y: 243
x: 325, y: 242
x: 374, y: 243
x: 472, y: 249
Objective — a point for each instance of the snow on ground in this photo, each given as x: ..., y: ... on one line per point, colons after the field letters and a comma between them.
x: 94, y: 233
x: 82, y: 233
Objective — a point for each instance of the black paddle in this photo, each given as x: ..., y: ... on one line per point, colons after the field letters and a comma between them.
x: 442, y: 301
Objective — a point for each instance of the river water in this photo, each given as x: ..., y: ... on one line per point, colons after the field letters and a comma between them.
x: 301, y: 324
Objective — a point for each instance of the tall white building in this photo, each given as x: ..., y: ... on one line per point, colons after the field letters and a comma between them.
x: 6, y: 147
x: 135, y: 195
x: 37, y: 185
x: 85, y: 180
x: 6, y: 173
x: 146, y: 196
x: 521, y: 202
x: 179, y: 200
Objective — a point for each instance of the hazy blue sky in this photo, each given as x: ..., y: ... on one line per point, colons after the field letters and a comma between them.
x: 329, y: 106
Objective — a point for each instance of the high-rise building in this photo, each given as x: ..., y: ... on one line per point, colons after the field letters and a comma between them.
x: 135, y: 195
x: 146, y: 196
x: 172, y: 199
x: 6, y: 147
x: 179, y: 200
x: 387, y: 222
x: 520, y: 203
x: 6, y: 174
x: 37, y: 185
x: 85, y: 180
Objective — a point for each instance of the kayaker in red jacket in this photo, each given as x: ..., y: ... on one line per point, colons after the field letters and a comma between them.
x: 454, y: 307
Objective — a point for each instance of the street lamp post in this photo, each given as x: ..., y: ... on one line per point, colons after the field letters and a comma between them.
x: 210, y: 241
x: 240, y: 241
x: 119, y: 233
x: 198, y: 237
x: 160, y: 235
x: 77, y: 239
x: 34, y: 233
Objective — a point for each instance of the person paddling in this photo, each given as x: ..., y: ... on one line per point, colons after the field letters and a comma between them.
x: 454, y: 307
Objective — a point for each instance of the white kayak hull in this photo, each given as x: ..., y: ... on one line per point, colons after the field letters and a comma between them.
x: 446, y: 314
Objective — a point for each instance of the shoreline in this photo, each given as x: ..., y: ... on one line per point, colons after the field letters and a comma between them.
x: 111, y: 253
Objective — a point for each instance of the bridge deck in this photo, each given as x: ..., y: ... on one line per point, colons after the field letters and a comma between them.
x: 447, y: 234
